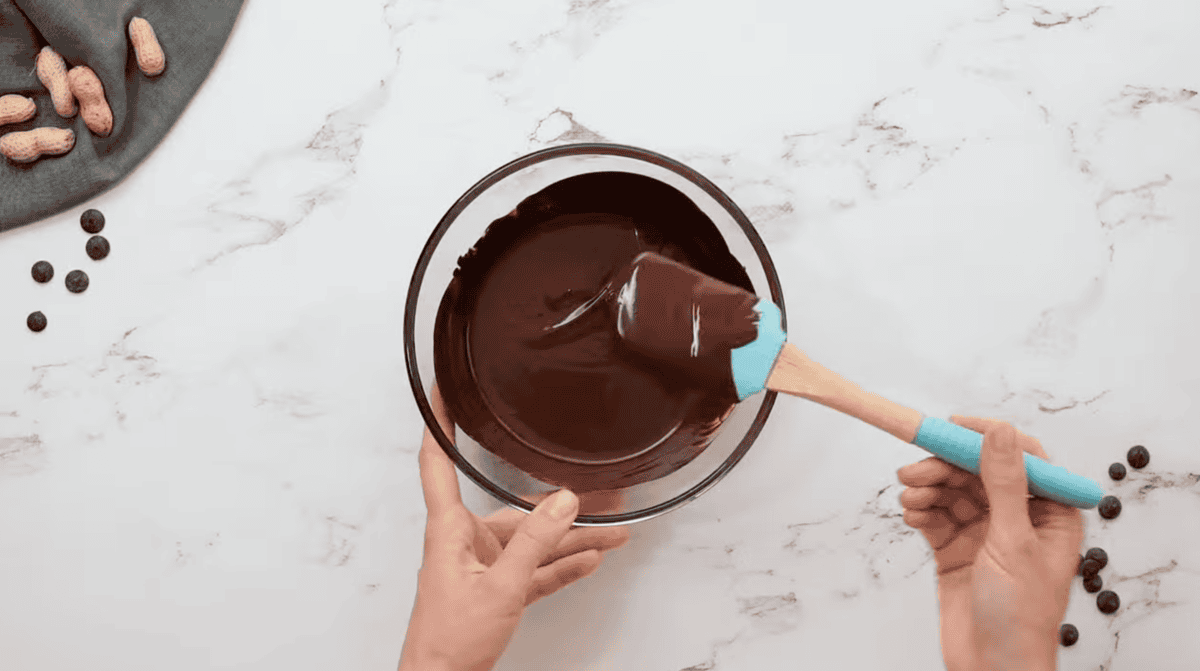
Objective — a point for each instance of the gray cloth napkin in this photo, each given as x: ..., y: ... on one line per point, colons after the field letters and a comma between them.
x: 94, y: 33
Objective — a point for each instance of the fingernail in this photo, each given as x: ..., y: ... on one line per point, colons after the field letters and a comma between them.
x: 562, y: 505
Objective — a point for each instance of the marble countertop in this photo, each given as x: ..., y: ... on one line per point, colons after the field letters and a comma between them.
x: 208, y: 460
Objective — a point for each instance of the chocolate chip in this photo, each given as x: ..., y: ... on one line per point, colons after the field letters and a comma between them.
x: 36, y: 321
x: 1110, y: 507
x: 43, y: 272
x: 1068, y: 634
x: 1093, y: 583
x: 1108, y: 601
x: 1098, y: 555
x: 1079, y: 568
x: 97, y: 247
x: 1138, y: 456
x: 77, y: 283
x: 92, y: 221
x: 1090, y: 568
x: 1117, y: 471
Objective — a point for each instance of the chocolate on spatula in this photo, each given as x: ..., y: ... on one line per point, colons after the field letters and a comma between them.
x: 682, y: 318
x: 685, y: 319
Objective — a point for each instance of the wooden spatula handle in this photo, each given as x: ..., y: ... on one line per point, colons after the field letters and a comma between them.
x: 796, y: 374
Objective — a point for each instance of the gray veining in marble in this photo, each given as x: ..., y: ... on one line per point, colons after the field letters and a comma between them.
x: 208, y: 460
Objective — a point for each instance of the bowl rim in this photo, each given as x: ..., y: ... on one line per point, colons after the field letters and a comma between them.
x: 439, y: 231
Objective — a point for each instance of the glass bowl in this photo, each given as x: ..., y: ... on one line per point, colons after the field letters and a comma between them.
x: 464, y: 224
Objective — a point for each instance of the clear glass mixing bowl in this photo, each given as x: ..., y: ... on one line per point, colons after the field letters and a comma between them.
x: 464, y: 224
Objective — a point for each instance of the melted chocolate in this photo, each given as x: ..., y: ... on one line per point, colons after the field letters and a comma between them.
x: 682, y: 318
x: 527, y: 354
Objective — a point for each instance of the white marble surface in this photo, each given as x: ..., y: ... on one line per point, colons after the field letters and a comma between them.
x: 208, y: 460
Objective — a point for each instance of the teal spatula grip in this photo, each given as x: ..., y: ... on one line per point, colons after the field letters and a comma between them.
x: 961, y: 447
x: 752, y: 364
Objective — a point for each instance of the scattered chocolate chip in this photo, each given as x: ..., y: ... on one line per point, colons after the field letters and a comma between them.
x: 77, y: 283
x: 1098, y: 555
x: 1093, y: 583
x: 1090, y: 568
x: 1079, y: 569
x: 1068, y: 634
x: 1138, y: 456
x: 1108, y: 601
x: 43, y: 272
x: 1110, y: 507
x: 36, y: 321
x: 97, y: 247
x: 1117, y: 471
x: 92, y: 221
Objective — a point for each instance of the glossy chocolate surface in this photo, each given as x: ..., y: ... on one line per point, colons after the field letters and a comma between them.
x: 527, y: 355
x: 683, y: 318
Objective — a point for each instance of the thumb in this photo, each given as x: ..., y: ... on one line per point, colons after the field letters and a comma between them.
x: 536, y: 537
x: 1002, y: 469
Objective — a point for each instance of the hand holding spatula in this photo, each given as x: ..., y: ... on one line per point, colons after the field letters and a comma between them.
x: 691, y: 321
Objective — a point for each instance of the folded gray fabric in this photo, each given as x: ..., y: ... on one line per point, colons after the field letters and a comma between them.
x: 94, y: 33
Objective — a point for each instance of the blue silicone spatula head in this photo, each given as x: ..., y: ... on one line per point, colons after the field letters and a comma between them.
x: 687, y: 319
x: 697, y: 323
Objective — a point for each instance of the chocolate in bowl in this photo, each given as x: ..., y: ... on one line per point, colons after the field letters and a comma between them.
x: 526, y: 353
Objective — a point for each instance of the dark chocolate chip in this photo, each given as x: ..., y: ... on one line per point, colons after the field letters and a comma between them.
x: 77, y: 282
x: 43, y: 272
x: 1117, y: 471
x: 1079, y: 568
x: 92, y: 221
x: 1138, y: 456
x: 1090, y: 568
x: 1110, y: 507
x: 1099, y: 555
x: 1068, y: 634
x: 36, y: 321
x: 1093, y: 583
x: 97, y: 247
x: 1108, y: 602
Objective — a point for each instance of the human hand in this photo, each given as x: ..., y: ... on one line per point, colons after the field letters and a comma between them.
x: 1005, y: 561
x: 479, y: 574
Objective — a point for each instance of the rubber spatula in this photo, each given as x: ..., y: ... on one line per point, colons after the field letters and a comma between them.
x: 688, y: 320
